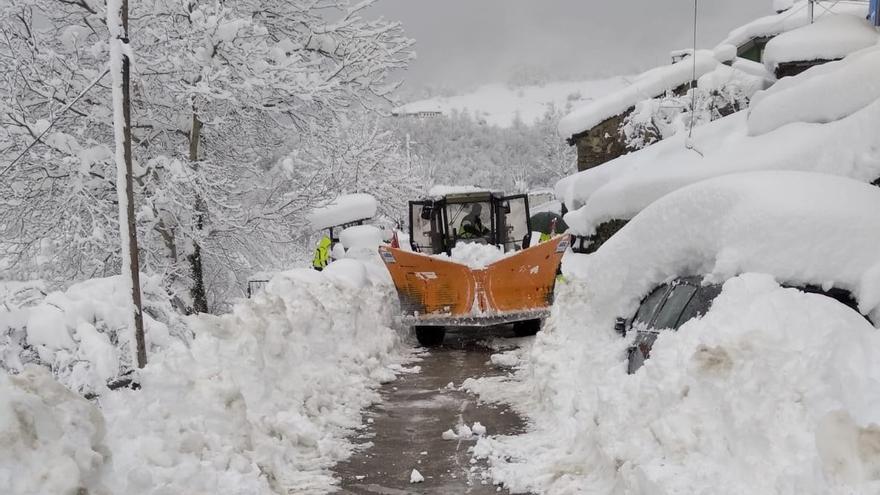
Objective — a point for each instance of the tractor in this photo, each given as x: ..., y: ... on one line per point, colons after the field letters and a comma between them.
x: 436, y: 291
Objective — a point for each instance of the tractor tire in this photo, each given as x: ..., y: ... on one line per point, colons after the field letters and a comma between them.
x: 430, y: 336
x: 526, y: 328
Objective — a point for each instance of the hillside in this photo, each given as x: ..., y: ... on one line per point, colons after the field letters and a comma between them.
x: 499, y: 104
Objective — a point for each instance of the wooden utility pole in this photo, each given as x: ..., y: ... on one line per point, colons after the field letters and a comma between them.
x: 117, y: 22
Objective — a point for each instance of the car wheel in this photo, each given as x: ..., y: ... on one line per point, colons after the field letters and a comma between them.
x: 526, y: 328
x: 430, y: 336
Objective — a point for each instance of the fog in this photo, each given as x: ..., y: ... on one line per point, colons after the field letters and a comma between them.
x: 464, y: 43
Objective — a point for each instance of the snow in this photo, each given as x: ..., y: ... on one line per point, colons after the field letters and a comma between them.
x: 51, y: 440
x: 801, y: 123
x: 501, y: 105
x: 464, y: 432
x: 478, y: 429
x: 830, y: 38
x: 342, y: 210
x: 772, y: 391
x: 794, y: 18
x: 361, y: 237
x: 74, y: 331
x: 416, y: 477
x: 476, y: 255
x: 261, y: 400
x: 648, y: 85
x: 119, y: 52
x: 442, y: 190
x: 809, y: 100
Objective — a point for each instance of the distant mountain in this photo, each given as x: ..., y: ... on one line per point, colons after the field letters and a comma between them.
x: 499, y: 104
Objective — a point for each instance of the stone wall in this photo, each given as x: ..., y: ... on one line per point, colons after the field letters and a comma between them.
x: 601, y: 143
x: 794, y: 68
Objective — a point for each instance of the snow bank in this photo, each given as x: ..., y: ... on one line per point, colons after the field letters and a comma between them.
x: 344, y: 209
x: 772, y: 391
x: 264, y: 396
x: 801, y: 123
x: 51, y: 440
x: 830, y: 38
x: 258, y: 401
x: 647, y: 85
x: 83, y: 333
x: 798, y: 16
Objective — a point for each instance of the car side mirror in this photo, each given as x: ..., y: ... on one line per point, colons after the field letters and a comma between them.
x: 620, y: 326
x: 507, y: 208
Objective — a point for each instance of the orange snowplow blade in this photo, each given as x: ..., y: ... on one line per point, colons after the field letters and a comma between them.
x: 434, y: 291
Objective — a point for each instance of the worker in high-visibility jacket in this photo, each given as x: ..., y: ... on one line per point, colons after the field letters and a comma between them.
x: 322, y: 254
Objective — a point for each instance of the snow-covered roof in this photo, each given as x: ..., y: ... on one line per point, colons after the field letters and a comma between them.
x: 649, y: 84
x: 825, y: 93
x: 795, y: 17
x: 821, y: 120
x: 830, y: 38
x: 800, y: 227
x: 344, y: 209
x: 417, y: 107
x: 442, y: 190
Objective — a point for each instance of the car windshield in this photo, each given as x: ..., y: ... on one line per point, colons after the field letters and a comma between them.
x: 649, y: 305
x: 700, y: 303
x: 672, y: 309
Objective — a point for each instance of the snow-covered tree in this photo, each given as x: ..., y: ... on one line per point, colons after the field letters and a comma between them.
x: 221, y: 91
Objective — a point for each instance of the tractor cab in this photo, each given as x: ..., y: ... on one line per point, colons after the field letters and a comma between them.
x: 438, y: 224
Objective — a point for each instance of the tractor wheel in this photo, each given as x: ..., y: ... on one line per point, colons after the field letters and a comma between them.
x: 526, y: 328
x: 430, y: 336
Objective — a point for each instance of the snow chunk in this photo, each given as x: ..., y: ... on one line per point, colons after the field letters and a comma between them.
x: 822, y: 94
x: 343, y: 209
x: 416, y: 477
x: 830, y: 38
x: 648, y: 85
x: 476, y: 255
x: 448, y: 435
x: 478, y: 429
x: 52, y: 439
x: 361, y: 237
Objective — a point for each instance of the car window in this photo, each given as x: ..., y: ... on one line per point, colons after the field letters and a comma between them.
x: 699, y: 303
x: 649, y: 305
x: 675, y: 303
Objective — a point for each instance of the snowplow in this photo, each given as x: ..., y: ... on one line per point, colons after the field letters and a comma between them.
x: 439, y: 287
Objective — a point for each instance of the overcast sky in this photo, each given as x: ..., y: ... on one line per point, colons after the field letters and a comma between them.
x: 464, y: 43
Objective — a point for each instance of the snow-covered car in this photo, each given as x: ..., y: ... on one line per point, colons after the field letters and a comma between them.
x: 674, y: 303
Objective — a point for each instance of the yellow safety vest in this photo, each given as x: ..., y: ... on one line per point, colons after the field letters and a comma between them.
x: 322, y: 254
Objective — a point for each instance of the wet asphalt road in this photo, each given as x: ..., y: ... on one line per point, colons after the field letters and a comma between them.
x: 404, y: 430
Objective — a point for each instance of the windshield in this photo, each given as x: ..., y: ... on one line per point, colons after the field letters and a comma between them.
x: 470, y: 220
